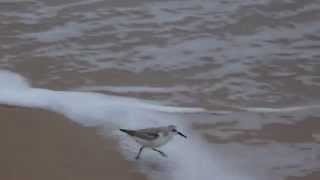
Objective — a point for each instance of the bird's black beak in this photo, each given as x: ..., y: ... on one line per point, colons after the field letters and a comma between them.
x: 180, y: 133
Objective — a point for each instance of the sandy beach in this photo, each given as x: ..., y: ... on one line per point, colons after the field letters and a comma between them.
x: 37, y: 145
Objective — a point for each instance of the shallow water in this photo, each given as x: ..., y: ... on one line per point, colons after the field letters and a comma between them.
x: 254, y: 62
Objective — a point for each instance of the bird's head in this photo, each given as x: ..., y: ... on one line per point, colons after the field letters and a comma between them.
x: 173, y: 129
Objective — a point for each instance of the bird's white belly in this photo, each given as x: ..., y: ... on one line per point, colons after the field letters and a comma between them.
x: 161, y: 140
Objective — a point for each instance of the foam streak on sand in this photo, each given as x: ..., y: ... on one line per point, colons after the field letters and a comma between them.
x: 110, y: 112
x: 279, y: 110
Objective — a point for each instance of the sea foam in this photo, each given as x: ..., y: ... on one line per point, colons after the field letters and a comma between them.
x: 189, y: 159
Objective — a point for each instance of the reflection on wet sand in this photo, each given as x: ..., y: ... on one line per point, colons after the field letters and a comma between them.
x: 310, y: 176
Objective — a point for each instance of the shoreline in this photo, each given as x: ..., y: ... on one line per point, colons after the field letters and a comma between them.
x: 37, y: 145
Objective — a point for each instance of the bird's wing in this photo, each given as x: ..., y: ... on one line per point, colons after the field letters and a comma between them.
x: 146, y: 135
x: 143, y: 134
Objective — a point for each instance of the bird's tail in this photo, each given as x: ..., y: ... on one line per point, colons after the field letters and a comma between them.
x: 130, y: 132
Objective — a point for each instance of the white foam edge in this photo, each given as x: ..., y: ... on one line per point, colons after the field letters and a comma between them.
x: 280, y: 109
x: 188, y: 159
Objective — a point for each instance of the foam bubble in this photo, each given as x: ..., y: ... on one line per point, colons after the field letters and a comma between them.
x: 188, y: 159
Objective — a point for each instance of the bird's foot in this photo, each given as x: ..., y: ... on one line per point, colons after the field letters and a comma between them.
x: 162, y: 153
x: 139, y: 153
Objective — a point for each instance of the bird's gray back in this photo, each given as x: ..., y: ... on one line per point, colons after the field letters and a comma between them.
x: 163, y: 130
x: 151, y: 133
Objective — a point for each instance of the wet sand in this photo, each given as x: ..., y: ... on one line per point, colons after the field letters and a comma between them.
x: 37, y: 145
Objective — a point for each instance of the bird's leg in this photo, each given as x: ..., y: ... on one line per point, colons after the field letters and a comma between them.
x: 138, y: 155
x: 162, y: 153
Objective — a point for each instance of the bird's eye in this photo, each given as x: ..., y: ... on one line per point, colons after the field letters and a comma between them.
x: 174, y: 130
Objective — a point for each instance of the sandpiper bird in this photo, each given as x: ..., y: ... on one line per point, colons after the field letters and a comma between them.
x: 153, y: 137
